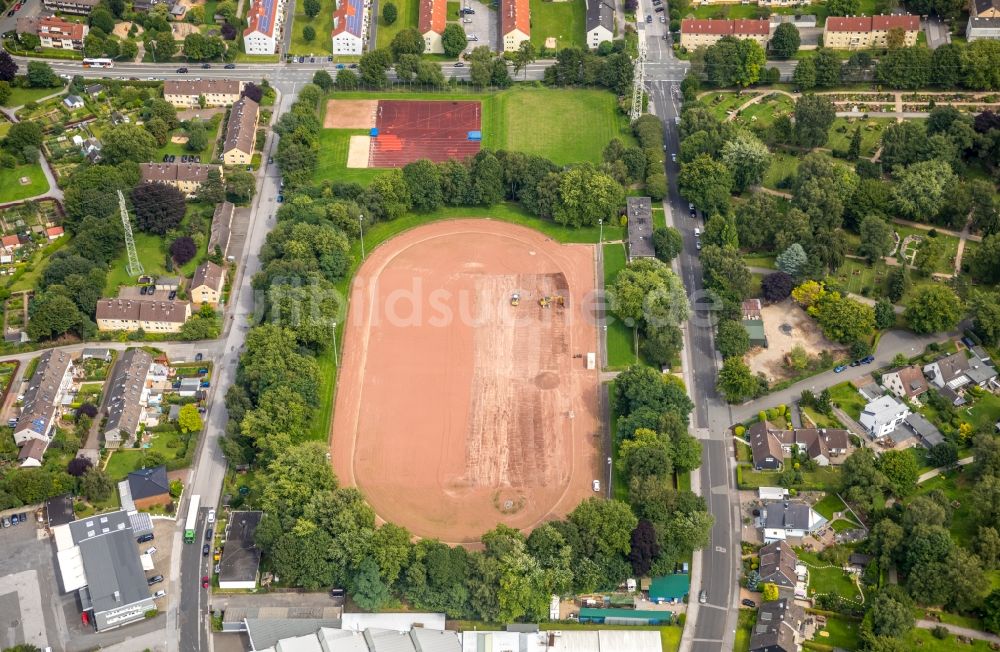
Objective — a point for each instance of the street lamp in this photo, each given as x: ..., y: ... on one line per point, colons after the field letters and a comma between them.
x: 335, y: 361
x: 609, y: 477
x: 600, y: 223
x: 361, y: 225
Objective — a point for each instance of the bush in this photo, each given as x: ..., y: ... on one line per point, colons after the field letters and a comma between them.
x: 739, y: 430
x: 940, y: 632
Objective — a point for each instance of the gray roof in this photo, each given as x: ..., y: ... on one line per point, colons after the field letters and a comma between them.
x: 640, y: 227
x: 980, y: 372
x: 953, y: 366
x: 40, y: 397
x: 600, y: 13
x: 222, y: 221
x: 146, y: 483
x: 111, y: 560
x: 976, y: 24
x: 985, y: 5
x: 59, y: 510
x: 777, y: 564
x: 789, y: 515
x: 266, y: 632
x: 927, y: 430
x: 240, y: 557
x: 241, y: 128
x: 777, y: 622
x: 125, y: 391
x: 96, y: 353
x: 388, y: 640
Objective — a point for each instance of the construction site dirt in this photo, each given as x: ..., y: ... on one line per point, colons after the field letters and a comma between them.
x: 464, y: 398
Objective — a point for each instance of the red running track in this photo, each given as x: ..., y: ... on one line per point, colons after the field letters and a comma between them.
x: 410, y: 130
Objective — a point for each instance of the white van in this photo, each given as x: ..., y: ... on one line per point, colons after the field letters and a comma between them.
x: 697, y: 232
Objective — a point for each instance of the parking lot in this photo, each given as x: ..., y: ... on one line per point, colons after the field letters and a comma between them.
x: 29, y: 599
x: 483, y: 24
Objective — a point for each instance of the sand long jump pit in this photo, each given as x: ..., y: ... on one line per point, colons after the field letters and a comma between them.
x: 456, y: 410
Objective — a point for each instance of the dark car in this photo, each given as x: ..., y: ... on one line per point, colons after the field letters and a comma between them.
x: 649, y: 19
x: 14, y: 520
x: 166, y: 158
x: 10, y: 13
x: 173, y: 157
x: 281, y: 198
x: 868, y: 359
x: 230, y: 66
x: 144, y: 538
x: 199, y: 356
x: 172, y: 295
x: 206, y: 66
x: 184, y: 158
x: 182, y: 70
x: 208, y: 534
x: 749, y: 603
x: 337, y: 593
x: 205, y: 549
x: 459, y: 64
x: 353, y: 66
x: 204, y: 581
x: 155, y: 579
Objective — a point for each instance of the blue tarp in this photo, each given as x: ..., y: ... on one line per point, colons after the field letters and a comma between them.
x: 373, y: 133
x: 475, y: 135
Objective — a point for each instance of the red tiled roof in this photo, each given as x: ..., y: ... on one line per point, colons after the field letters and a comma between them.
x: 10, y: 241
x: 871, y: 23
x: 744, y: 27
x: 515, y: 14
x: 433, y: 16
x: 59, y: 28
x: 54, y: 230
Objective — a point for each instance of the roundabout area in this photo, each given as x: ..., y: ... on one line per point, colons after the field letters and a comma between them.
x: 464, y: 399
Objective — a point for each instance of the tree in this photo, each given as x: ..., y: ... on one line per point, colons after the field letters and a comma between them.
x: 389, y: 13
x: 423, y: 178
x: 804, y: 75
x: 212, y: 190
x: 407, y: 41
x: 885, y: 314
x: 828, y: 68
x: 197, y: 136
x: 312, y: 8
x: 41, y: 75
x: 933, y: 309
x: 641, y: 386
x: 587, y: 195
x: 897, y: 282
x: 158, y: 207
x: 53, y: 315
x: 748, y: 159
x: 737, y: 383
x: 785, y: 41
x: 844, y: 7
x: 96, y: 485
x: 453, y: 39
x: 732, y: 339
x: 78, y: 466
x: 21, y: 135
x: 308, y: 34
x: 843, y: 319
x: 645, y: 453
x: 323, y: 79
x: 183, y: 249
x: 734, y: 62
x: 373, y: 66
x: 8, y: 68
x: 792, y: 260
x: 985, y: 310
x: 189, y: 420
x: 813, y: 116
x: 920, y: 189
x: 982, y: 53
x: 128, y: 142
x: 523, y: 56
x: 667, y: 243
x: 706, y: 183
x: 240, y: 186
x: 984, y: 263
x: 777, y: 286
x: 102, y: 19
x: 649, y: 293
x: 644, y: 548
x: 900, y: 470
x: 854, y: 149
x: 876, y: 238
x: 769, y: 592
x: 890, y: 614
x: 991, y: 611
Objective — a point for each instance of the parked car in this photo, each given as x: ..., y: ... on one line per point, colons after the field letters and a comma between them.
x: 150, y: 551
x: 868, y: 359
x: 663, y: 19
x: 673, y: 156
x: 173, y: 157
x: 155, y: 579
x: 353, y: 66
x: 702, y: 596
x: 466, y: 20
x: 597, y: 485
x: 197, y: 158
x: 172, y: 295
x: 697, y: 245
x: 747, y: 602
x: 14, y: 520
x: 649, y: 18
x: 281, y: 198
x: 166, y: 158
x: 10, y: 13
x: 144, y: 538
x: 159, y: 594
x: 471, y: 37
x: 211, y: 516
x: 337, y: 593
x: 205, y: 549
x: 839, y: 368
x: 198, y: 357
x: 340, y: 66
x: 24, y: 517
x: 6, y: 522
x: 459, y: 64
x: 204, y: 581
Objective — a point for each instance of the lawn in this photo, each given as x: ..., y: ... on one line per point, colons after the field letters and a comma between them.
x: 841, y: 633
x: 984, y: 413
x: 744, y: 630
x: 151, y: 254
x: 825, y: 478
x: 763, y: 113
x: 722, y: 103
x: 180, y: 149
x: 322, y: 24
x: 923, y: 640
x: 10, y: 182
x: 842, y: 131
x: 620, y: 338
x: 320, y: 428
x: 409, y: 15
x: 21, y: 96
x: 563, y: 125
x: 946, y: 263
x: 830, y: 504
x: 566, y: 21
x: 827, y: 580
x: 848, y: 399
x: 332, y: 159
x: 782, y: 167
x: 125, y: 460
x: 821, y: 420
x: 955, y: 486
x: 759, y: 260
x: 843, y: 525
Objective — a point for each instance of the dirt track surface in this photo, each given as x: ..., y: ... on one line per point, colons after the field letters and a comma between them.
x: 456, y: 411
x: 350, y: 114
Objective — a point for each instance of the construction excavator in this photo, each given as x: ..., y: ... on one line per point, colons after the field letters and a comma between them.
x: 544, y: 301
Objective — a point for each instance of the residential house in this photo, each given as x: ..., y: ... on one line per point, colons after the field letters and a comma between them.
x: 241, y: 132
x: 699, y: 33
x: 149, y: 487
x: 789, y: 518
x: 222, y: 229
x: 54, y: 32
x: 640, y: 227
x: 778, y: 627
x: 952, y: 374
x: 73, y: 102
x: 240, y: 561
x: 151, y: 315
x: 207, y: 283
x: 40, y: 407
x: 863, y: 32
x: 777, y: 564
x: 980, y: 353
x: 515, y: 23
x: 264, y: 19
x: 96, y: 353
x: 99, y: 559
x: 928, y: 433
x: 431, y: 23
x: 753, y: 322
x: 350, y: 25
x: 907, y: 383
x: 32, y: 452
x: 883, y: 415
x: 600, y: 22
x: 984, y: 20
x: 126, y: 397
x: 769, y: 446
x: 80, y: 7
x: 11, y: 242
x: 91, y: 149
x: 192, y: 93
x: 93, y: 90
x: 186, y: 177
x: 54, y: 232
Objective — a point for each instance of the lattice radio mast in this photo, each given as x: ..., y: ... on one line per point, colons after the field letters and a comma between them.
x: 134, y: 266
x: 638, y: 78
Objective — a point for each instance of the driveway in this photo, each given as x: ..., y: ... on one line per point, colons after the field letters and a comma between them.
x: 484, y: 25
